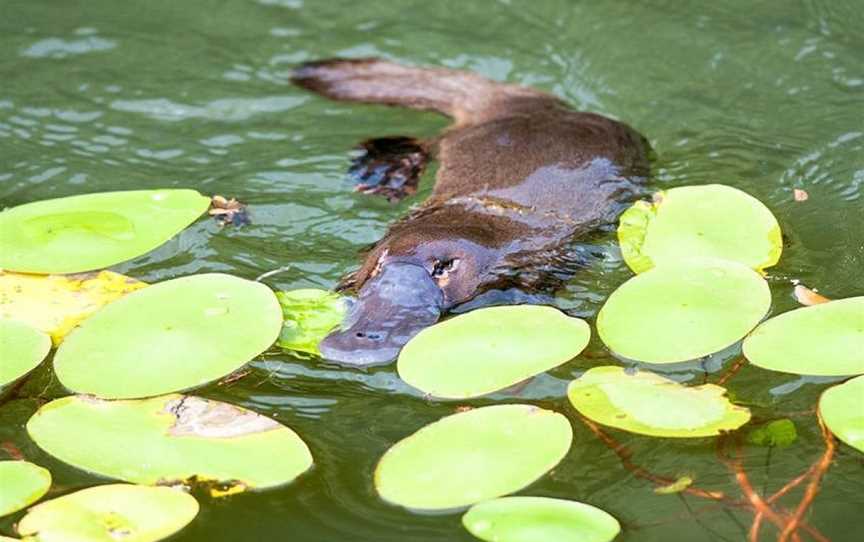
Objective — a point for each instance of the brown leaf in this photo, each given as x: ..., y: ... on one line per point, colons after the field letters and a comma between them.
x: 228, y: 211
x: 808, y: 297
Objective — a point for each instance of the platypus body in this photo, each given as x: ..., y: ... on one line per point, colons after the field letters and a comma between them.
x: 522, y: 178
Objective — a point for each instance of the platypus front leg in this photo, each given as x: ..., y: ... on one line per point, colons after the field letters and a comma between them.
x: 389, y: 166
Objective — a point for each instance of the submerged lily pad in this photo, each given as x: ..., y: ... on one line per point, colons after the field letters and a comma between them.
x: 708, y: 221
x: 23, y: 483
x: 110, y: 513
x: 473, y: 456
x: 93, y: 231
x: 489, y: 349
x: 842, y: 410
x: 823, y: 340
x: 539, y: 519
x: 649, y: 404
x: 170, y: 438
x: 55, y: 304
x: 310, y: 314
x: 684, y: 311
x: 22, y: 348
x: 171, y: 336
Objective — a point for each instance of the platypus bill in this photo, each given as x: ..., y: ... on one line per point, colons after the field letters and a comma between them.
x: 522, y: 177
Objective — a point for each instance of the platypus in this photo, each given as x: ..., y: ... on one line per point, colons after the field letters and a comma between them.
x: 522, y: 178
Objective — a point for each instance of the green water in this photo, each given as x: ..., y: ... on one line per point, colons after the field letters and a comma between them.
x: 767, y: 96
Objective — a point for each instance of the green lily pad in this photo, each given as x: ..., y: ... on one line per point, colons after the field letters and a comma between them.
x: 539, y: 519
x: 22, y: 348
x: 170, y: 336
x: 684, y: 311
x: 473, y: 456
x: 649, y: 404
x: 92, y: 231
x: 841, y: 410
x: 708, y: 221
x: 170, y: 438
x: 310, y: 314
x: 821, y: 340
x: 110, y: 513
x: 780, y: 433
x: 490, y: 349
x: 22, y: 484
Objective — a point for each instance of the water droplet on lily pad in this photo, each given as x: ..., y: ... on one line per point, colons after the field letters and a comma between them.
x: 169, y: 439
x: 93, y: 231
x: 648, y: 404
x: 23, y: 483
x: 684, y: 311
x: 22, y: 348
x: 473, y: 456
x: 821, y: 340
x: 842, y: 410
x: 539, y: 519
x: 310, y: 314
x: 707, y: 221
x: 490, y: 349
x: 110, y: 513
x: 55, y: 304
x: 170, y: 336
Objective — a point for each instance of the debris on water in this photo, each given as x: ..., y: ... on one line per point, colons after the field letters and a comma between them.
x: 800, y: 195
x: 808, y: 297
x: 228, y: 211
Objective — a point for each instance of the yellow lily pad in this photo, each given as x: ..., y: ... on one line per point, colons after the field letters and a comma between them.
x: 54, y: 304
x: 648, y: 404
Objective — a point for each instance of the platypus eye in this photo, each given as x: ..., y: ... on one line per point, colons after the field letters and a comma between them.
x: 442, y: 267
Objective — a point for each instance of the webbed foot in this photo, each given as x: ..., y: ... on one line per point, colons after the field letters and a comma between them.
x: 388, y: 166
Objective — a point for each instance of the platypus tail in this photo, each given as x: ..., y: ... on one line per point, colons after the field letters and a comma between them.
x: 461, y: 95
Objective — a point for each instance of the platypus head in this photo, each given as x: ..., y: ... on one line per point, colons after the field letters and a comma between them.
x: 422, y: 268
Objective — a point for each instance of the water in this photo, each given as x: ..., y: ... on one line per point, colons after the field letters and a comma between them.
x: 768, y: 97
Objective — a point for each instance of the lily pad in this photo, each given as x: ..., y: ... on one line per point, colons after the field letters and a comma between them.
x: 170, y: 438
x: 708, y: 221
x: 841, y: 410
x: 648, y: 404
x: 55, y: 304
x: 539, y: 519
x: 23, y: 484
x: 684, y: 311
x: 822, y: 340
x: 310, y: 314
x: 490, y: 349
x: 171, y: 336
x: 22, y: 348
x: 473, y: 456
x: 110, y: 513
x: 93, y: 231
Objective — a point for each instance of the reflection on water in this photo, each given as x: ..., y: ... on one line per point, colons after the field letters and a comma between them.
x: 766, y: 97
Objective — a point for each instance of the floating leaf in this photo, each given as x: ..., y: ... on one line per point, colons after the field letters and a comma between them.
x: 539, y: 519
x: 170, y: 438
x: 55, y: 304
x: 310, y: 314
x: 489, y: 349
x: 171, y: 336
x: 22, y: 484
x: 841, y: 410
x: 679, y: 485
x: 22, y: 348
x: 708, y: 221
x: 473, y: 456
x: 93, y: 231
x: 684, y: 311
x: 110, y: 513
x: 649, y: 404
x: 808, y: 297
x: 822, y: 340
x: 779, y: 433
